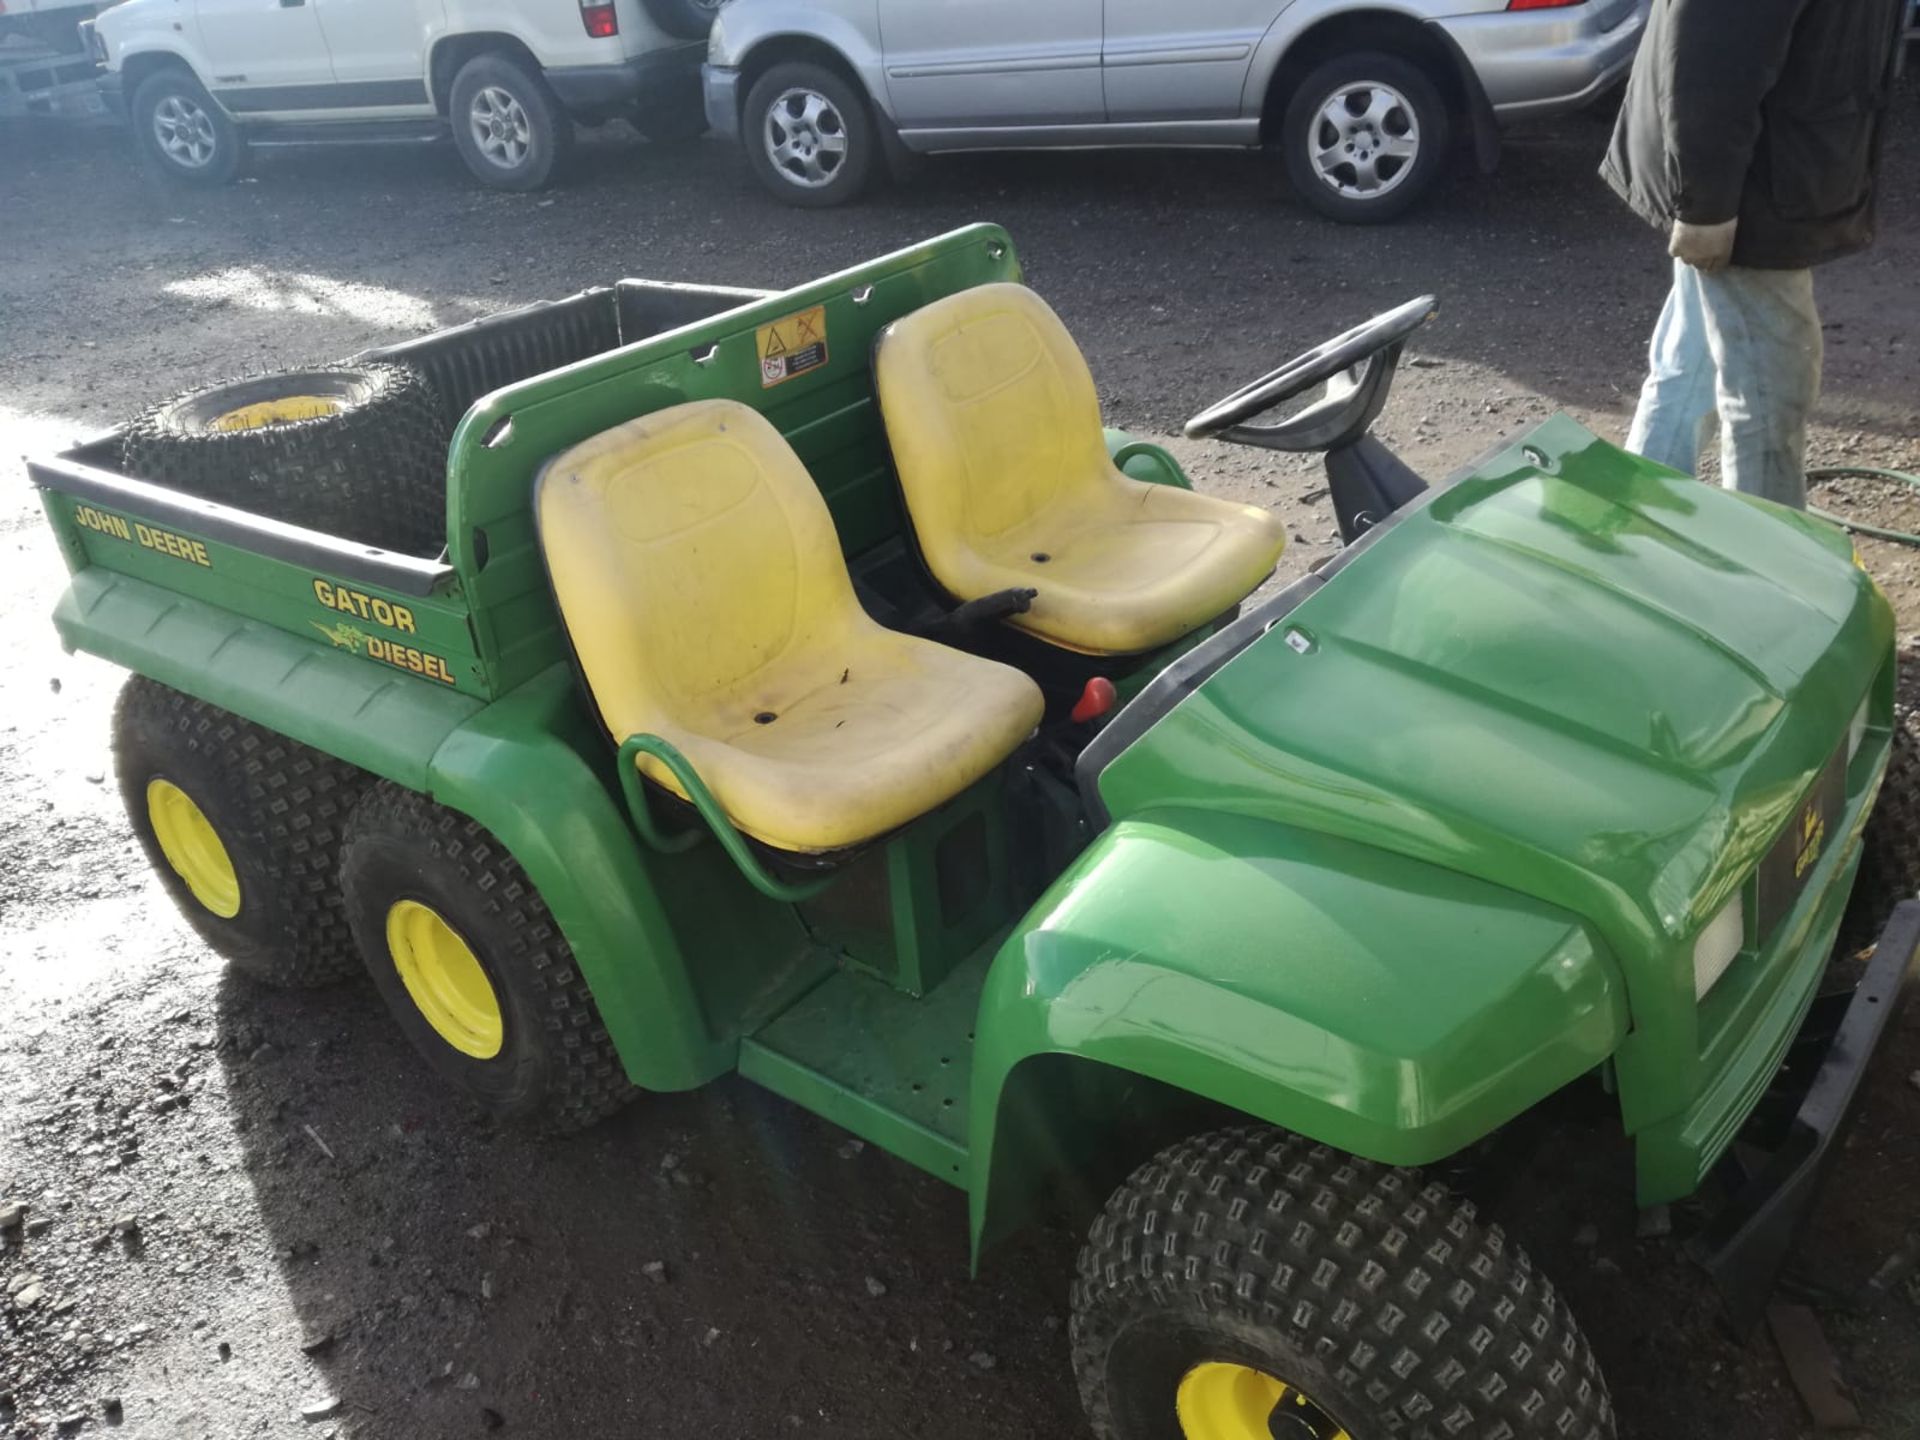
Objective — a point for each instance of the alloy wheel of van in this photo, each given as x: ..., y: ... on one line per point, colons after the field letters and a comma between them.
x: 806, y: 137
x: 1364, y: 136
x: 1250, y: 1284
x: 507, y: 124
x: 501, y: 130
x: 472, y: 965
x: 1364, y: 141
x: 810, y: 137
x: 180, y: 133
x: 244, y: 828
x: 184, y: 131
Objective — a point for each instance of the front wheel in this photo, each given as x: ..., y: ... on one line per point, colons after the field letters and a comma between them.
x: 809, y: 136
x: 1364, y: 137
x: 1249, y: 1284
x: 181, y: 133
x: 507, y: 124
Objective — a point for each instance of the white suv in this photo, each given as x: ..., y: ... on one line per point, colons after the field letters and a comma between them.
x: 202, y: 80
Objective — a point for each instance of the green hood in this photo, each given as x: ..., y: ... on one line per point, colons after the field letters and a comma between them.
x: 1573, y: 674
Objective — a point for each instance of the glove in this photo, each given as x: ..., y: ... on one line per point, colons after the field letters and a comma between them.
x: 1705, y: 247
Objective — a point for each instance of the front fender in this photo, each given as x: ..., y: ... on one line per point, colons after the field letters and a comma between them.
x: 851, y: 32
x: 1375, y: 1003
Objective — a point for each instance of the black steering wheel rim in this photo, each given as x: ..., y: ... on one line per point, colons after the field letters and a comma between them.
x: 1314, y: 368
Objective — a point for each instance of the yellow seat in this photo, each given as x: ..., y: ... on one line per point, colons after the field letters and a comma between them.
x: 702, y: 584
x: 995, y: 428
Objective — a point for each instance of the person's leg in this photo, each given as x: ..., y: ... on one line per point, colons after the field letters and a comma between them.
x: 1676, y: 402
x: 1764, y: 332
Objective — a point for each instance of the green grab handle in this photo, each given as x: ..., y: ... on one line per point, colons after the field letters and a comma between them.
x: 723, y: 829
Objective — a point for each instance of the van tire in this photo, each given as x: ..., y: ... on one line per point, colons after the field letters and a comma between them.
x: 843, y: 113
x: 175, y: 120
x: 1376, y: 1295
x: 279, y: 811
x: 1417, y: 110
x: 550, y: 1062
x: 356, y: 451
x: 535, y: 133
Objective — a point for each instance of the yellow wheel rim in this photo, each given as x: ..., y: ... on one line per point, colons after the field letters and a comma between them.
x: 283, y: 411
x: 1223, y: 1401
x: 444, y: 978
x: 193, y: 848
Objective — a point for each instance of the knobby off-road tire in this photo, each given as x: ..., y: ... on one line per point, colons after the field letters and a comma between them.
x: 264, y: 890
x: 358, y: 451
x: 473, y: 967
x: 1378, y: 1298
x: 1890, y: 845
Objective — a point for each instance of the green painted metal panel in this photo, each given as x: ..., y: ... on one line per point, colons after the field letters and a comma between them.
x: 370, y: 716
x: 1573, y: 675
x: 891, y: 1068
x: 1381, y: 1004
x: 828, y: 411
x: 424, y: 636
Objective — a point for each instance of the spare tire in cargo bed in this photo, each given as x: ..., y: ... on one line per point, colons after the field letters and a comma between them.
x: 358, y: 451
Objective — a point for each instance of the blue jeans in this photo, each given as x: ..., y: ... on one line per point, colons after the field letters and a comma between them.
x: 1743, y: 346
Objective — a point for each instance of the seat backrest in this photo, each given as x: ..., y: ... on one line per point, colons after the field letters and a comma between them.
x: 689, y: 550
x: 990, y: 411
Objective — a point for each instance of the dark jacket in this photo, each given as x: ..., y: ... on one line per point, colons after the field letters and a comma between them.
x: 1768, y: 110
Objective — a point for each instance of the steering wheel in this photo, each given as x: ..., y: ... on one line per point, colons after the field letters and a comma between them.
x: 1356, y: 367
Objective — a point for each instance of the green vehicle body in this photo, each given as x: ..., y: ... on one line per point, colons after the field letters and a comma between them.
x: 1425, y: 844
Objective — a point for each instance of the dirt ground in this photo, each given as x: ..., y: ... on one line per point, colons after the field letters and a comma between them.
x: 243, y: 1204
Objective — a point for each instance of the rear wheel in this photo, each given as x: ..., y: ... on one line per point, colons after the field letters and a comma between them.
x: 473, y: 967
x: 243, y: 827
x: 181, y: 133
x: 1250, y: 1284
x: 809, y: 136
x: 1364, y: 137
x: 507, y: 125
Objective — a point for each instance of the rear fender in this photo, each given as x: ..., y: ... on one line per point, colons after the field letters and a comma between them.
x: 516, y: 766
x: 1375, y: 1003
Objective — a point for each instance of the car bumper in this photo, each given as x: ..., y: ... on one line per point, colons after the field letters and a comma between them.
x: 114, y: 93
x: 1541, y: 62
x: 630, y: 82
x: 1748, y: 1243
x: 720, y: 84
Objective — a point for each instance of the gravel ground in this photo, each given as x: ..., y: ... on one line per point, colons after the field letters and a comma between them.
x: 243, y: 1206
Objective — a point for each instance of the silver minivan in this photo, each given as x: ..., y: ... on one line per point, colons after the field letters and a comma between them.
x: 1360, y: 100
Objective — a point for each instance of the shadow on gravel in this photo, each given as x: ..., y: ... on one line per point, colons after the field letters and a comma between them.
x: 702, y: 1265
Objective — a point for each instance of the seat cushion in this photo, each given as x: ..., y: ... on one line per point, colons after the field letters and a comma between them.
x: 702, y: 585
x: 845, y: 760
x: 1129, y: 568
x: 995, y: 429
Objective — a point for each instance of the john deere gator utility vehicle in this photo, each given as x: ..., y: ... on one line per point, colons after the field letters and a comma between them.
x: 804, y: 684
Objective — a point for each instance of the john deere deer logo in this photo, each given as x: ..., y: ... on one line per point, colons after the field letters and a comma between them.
x: 344, y: 637
x: 1813, y: 830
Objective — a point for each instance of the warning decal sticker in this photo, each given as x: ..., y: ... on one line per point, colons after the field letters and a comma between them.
x: 792, y: 346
